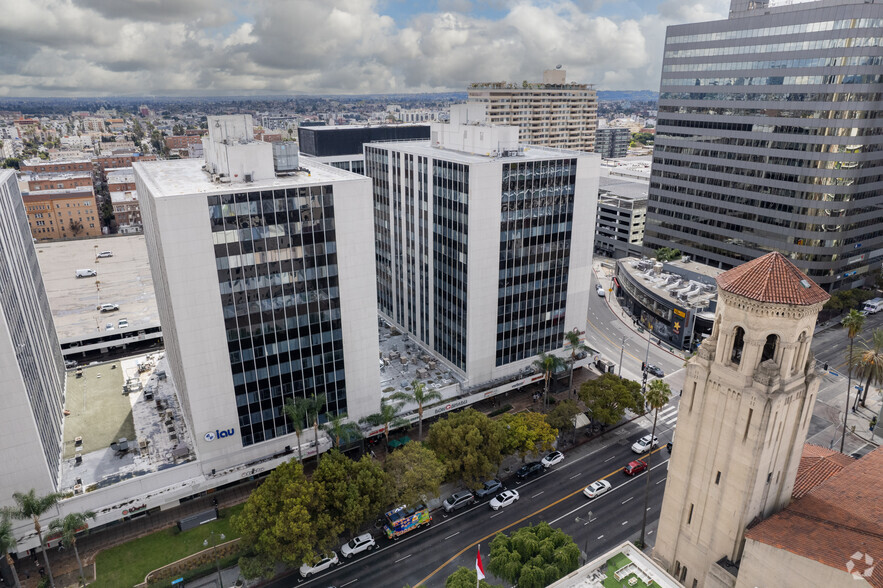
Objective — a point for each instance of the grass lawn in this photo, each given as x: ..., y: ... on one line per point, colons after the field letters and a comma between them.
x: 126, y: 565
x: 99, y: 413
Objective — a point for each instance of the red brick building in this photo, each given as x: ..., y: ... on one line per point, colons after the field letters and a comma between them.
x: 58, y: 181
x: 38, y: 165
x: 62, y: 214
x: 106, y: 162
x: 182, y: 141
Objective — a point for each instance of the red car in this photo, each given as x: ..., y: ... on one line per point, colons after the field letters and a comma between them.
x: 635, y: 467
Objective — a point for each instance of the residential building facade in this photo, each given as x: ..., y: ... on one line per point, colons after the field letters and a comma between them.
x: 553, y: 113
x: 62, y: 214
x: 612, y: 142
x: 261, y: 280
x: 483, y: 245
x: 768, y: 139
x: 31, y: 365
x: 42, y: 166
x: 622, y: 212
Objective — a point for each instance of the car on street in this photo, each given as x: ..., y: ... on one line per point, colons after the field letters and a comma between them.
x: 596, y: 489
x: 124, y: 323
x: 655, y: 370
x: 458, y: 500
x: 553, y: 458
x: 105, y: 254
x: 504, y: 498
x: 358, y: 545
x: 644, y: 445
x: 109, y: 307
x: 668, y: 446
x: 489, y: 488
x: 634, y: 467
x: 599, y: 289
x: 326, y: 562
x: 529, y: 470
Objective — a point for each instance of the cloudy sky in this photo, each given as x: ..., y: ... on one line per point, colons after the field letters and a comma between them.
x: 218, y: 47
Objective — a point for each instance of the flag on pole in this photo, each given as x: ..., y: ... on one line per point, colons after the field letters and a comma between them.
x: 479, y: 569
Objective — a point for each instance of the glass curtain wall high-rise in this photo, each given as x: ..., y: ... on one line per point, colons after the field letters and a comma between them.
x: 535, y: 235
x: 277, y: 272
x: 769, y: 138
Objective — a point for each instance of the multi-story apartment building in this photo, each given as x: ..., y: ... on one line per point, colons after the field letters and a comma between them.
x: 265, y: 283
x: 124, y: 200
x: 612, y: 142
x: 105, y: 162
x: 63, y: 214
x: 31, y: 366
x: 37, y: 182
x: 622, y: 212
x: 483, y: 245
x: 42, y: 166
x: 768, y: 139
x: 182, y: 141
x: 552, y: 113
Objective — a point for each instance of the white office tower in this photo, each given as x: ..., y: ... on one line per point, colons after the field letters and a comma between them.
x: 31, y: 365
x: 265, y: 281
x: 483, y: 244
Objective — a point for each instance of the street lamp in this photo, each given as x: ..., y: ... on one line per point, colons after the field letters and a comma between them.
x: 621, y: 351
x: 214, y: 545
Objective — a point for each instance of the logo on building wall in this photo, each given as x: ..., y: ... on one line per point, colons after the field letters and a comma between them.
x: 860, y: 565
x: 218, y: 434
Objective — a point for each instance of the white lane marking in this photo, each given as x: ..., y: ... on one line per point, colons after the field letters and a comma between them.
x: 660, y: 481
x: 404, y: 558
x: 538, y: 493
x: 624, y: 523
x: 627, y: 499
x: 609, y: 458
x: 350, y: 582
x: 454, y: 535
x: 496, y: 515
x: 649, y: 532
x: 573, y: 476
x: 600, y: 537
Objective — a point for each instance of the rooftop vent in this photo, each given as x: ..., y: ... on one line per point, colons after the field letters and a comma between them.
x: 285, y: 156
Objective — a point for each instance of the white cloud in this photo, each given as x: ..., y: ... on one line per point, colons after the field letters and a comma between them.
x: 107, y: 47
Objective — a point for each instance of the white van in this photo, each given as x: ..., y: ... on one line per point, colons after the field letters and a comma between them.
x: 86, y: 273
x: 873, y: 306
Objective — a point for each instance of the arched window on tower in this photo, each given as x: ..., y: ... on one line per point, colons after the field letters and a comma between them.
x: 738, y: 344
x: 769, y: 348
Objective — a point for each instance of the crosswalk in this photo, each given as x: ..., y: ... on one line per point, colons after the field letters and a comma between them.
x: 668, y: 416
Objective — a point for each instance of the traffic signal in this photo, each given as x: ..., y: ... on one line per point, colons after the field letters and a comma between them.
x: 643, y: 366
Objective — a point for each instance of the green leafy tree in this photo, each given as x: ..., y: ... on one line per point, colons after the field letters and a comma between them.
x: 282, y: 520
x: 658, y: 394
x: 420, y: 396
x: 576, y: 347
x: 178, y: 129
x: 12, y: 162
x: 607, y: 398
x: 30, y: 506
x: 562, y: 414
x: 137, y: 132
x: 547, y: 364
x: 667, y: 254
x: 352, y: 493
x: 526, y: 433
x: 7, y: 545
x: 256, y: 566
x: 342, y: 432
x: 414, y: 472
x: 853, y: 323
x: 469, y: 444
x: 68, y: 527
x: 534, y: 557
x: 297, y: 409
x: 867, y: 361
x: 388, y: 417
x: 76, y: 227
x: 315, y: 406
x: 467, y: 578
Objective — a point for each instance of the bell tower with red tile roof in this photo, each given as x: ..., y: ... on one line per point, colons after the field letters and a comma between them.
x: 744, y: 413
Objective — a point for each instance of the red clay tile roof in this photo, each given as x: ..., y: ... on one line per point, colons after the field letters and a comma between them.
x: 772, y: 278
x: 817, y: 464
x: 836, y: 520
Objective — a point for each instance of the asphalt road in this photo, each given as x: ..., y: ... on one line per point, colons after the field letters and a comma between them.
x: 426, y: 557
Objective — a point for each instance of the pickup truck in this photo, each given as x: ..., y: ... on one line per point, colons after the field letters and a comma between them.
x: 404, y: 519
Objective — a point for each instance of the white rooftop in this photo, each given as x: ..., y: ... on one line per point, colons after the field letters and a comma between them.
x: 186, y: 176
x: 527, y: 153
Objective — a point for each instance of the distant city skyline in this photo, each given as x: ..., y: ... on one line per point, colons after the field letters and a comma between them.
x: 59, y: 48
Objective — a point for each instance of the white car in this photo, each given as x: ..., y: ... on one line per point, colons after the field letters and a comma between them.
x: 123, y: 324
x: 326, y: 562
x: 108, y: 327
x: 358, y: 545
x: 502, y: 499
x: 600, y: 291
x: 552, y: 459
x: 105, y: 254
x: 596, y: 489
x: 109, y: 307
x: 643, y: 444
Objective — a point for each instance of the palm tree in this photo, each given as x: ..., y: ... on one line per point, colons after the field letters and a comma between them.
x: 297, y: 410
x: 419, y: 396
x: 388, y: 416
x: 853, y: 322
x: 576, y: 346
x: 548, y: 364
x: 68, y: 526
x: 7, y: 544
x: 314, y: 405
x: 30, y: 506
x: 868, y: 363
x: 339, y: 427
x: 657, y: 396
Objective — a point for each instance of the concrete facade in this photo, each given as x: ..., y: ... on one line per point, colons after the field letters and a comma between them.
x: 744, y: 414
x: 765, y: 565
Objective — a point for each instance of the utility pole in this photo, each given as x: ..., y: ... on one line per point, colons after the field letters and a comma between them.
x: 621, y: 351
